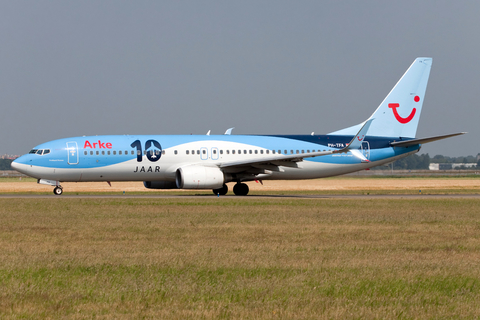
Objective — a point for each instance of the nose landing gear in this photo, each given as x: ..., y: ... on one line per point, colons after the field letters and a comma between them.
x: 58, y: 190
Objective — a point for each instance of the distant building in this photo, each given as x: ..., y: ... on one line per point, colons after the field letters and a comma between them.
x: 450, y: 166
x: 440, y: 166
x: 9, y: 156
x: 465, y: 165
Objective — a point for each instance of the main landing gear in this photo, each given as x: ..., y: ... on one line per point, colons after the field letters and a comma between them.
x: 240, y: 189
x: 58, y: 190
x: 221, y: 191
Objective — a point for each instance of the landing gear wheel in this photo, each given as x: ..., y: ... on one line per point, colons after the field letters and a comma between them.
x: 221, y: 191
x: 58, y: 191
x: 240, y: 189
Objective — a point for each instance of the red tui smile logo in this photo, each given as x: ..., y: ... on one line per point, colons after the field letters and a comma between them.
x: 400, y: 119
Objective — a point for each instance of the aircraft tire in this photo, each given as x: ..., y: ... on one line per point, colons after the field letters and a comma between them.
x: 241, y: 189
x: 221, y: 191
x: 58, y: 191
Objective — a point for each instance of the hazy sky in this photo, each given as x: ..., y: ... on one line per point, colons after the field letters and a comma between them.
x: 70, y: 68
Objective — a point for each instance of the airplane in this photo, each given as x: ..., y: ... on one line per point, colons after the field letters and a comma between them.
x: 212, y: 161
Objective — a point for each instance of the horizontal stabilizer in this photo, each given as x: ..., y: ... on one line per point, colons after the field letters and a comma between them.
x: 423, y: 140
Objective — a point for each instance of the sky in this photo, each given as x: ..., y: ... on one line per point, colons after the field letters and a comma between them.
x: 73, y: 68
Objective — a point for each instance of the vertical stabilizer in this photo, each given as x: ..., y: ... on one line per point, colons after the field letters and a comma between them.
x: 399, y: 113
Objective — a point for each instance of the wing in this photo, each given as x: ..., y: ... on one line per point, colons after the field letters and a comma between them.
x: 266, y: 165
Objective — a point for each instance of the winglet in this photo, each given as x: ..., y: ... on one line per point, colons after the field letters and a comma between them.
x: 229, y: 131
x: 356, y: 142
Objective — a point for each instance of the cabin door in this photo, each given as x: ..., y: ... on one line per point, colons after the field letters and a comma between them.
x: 366, y: 149
x: 72, y: 152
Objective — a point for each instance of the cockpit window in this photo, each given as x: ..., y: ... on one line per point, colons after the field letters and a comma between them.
x: 40, y: 152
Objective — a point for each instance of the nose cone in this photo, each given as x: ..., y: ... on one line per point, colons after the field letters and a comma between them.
x: 19, y: 165
x: 15, y: 165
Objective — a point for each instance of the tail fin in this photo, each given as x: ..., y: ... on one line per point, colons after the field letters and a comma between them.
x: 399, y: 112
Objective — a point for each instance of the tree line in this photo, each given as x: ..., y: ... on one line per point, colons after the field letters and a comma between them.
x: 422, y: 162
x: 5, y: 164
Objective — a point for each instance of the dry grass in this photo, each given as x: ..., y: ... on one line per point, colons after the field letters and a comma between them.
x: 240, y: 258
x: 345, y: 184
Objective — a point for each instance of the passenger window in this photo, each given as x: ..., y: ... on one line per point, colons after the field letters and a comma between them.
x: 175, y: 152
x: 273, y: 151
x: 303, y: 151
x: 221, y: 151
x: 228, y: 151
x: 244, y: 151
x: 285, y: 151
x: 298, y: 152
x: 187, y: 152
x: 261, y: 151
x: 204, y: 152
x: 108, y: 152
x: 233, y: 151
x: 133, y: 152
x: 103, y: 152
x: 250, y: 151
x: 256, y: 151
x: 85, y: 152
x: 291, y: 151
x: 193, y: 151
x: 120, y: 152
x: 97, y: 152
x: 114, y: 152
x: 91, y: 153
x: 163, y: 152
x: 198, y: 151
x: 214, y: 151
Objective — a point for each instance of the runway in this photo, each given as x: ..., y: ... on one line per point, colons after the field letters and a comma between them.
x: 246, y: 198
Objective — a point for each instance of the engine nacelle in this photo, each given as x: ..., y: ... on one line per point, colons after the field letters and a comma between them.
x: 199, y: 177
x: 160, y: 184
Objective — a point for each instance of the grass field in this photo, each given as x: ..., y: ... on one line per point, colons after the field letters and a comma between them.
x: 337, y: 185
x: 239, y: 258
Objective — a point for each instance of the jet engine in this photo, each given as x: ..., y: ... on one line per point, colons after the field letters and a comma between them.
x: 199, y: 177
